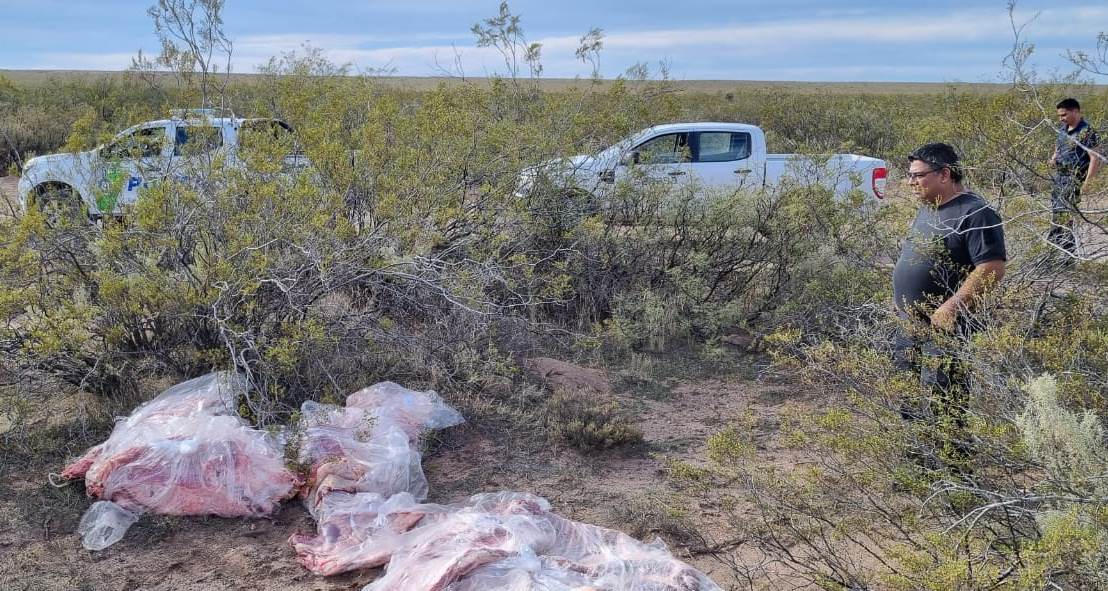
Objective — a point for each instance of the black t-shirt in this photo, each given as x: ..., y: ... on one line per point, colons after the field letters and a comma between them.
x: 1073, y: 159
x: 943, y: 247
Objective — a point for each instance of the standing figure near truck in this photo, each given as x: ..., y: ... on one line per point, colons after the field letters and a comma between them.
x: 1075, y: 162
x: 954, y: 253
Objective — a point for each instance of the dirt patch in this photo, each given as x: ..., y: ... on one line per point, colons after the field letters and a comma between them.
x: 9, y: 196
x: 39, y: 548
x: 560, y: 374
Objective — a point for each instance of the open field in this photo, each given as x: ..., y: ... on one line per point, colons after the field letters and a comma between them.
x: 748, y: 337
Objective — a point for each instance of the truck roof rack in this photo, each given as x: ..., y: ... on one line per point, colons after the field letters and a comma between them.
x: 209, y: 113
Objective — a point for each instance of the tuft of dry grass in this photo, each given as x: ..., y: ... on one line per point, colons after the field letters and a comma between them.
x: 589, y: 421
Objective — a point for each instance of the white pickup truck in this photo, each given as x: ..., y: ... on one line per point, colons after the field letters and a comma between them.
x: 727, y: 156
x: 106, y: 179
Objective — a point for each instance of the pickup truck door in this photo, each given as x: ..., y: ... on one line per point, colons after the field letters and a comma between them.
x: 196, y: 145
x: 130, y: 162
x: 662, y: 159
x: 725, y: 160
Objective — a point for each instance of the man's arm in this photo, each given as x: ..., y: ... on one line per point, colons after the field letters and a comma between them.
x: 984, y: 277
x: 1094, y: 167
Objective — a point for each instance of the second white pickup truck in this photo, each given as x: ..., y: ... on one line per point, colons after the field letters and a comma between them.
x: 714, y: 156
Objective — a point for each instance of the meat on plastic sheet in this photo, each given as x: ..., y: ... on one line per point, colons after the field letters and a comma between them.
x: 371, y: 444
x: 182, y: 453
x: 358, y: 530
x: 363, y: 530
x: 520, y: 545
x: 490, y: 528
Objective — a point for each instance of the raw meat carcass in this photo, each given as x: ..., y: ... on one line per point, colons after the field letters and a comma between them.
x: 183, y: 453
x: 193, y: 466
x: 371, y: 444
x: 212, y: 394
x: 345, y: 459
x: 435, y: 556
x: 525, y: 572
x: 358, y: 530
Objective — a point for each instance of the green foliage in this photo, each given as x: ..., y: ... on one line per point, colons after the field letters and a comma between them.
x: 1069, y: 445
x: 588, y: 422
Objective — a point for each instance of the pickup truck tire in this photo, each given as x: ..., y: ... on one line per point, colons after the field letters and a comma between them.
x: 59, y: 203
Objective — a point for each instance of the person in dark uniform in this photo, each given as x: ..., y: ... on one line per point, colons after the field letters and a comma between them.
x: 953, y: 254
x: 1075, y: 162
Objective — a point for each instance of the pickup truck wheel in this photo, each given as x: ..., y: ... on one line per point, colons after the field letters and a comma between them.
x: 60, y: 204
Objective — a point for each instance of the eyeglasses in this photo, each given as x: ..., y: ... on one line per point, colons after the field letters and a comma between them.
x: 915, y: 176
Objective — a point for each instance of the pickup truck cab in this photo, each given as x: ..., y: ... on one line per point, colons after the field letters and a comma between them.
x: 728, y: 156
x: 105, y: 180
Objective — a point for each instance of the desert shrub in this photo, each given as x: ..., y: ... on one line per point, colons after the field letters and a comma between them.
x: 588, y: 421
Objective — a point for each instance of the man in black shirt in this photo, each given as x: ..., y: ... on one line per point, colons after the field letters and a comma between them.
x: 953, y: 254
x: 1075, y: 162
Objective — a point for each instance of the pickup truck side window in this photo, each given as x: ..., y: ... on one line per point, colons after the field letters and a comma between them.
x: 193, y: 140
x: 721, y: 146
x: 670, y: 148
x: 143, y: 143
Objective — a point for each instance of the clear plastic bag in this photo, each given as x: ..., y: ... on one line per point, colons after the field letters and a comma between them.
x: 104, y: 524
x: 413, y: 411
x: 371, y: 444
x: 186, y: 453
x: 512, y: 541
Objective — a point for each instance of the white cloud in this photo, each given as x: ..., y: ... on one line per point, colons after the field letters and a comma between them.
x: 697, y: 52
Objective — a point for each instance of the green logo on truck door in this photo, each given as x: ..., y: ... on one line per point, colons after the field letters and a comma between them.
x: 113, y: 180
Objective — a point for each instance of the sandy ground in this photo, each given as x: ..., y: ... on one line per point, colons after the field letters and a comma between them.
x: 9, y: 202
x: 39, y: 549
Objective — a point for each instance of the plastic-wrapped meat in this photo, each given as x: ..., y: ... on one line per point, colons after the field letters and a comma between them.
x: 199, y: 465
x: 211, y: 394
x: 614, y: 560
x: 182, y: 453
x: 371, y: 444
x: 363, y: 530
x: 358, y: 530
x: 385, y: 462
x: 579, y: 557
x: 525, y: 572
x: 438, y: 554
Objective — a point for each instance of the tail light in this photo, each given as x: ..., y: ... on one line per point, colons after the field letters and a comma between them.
x: 880, y: 177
